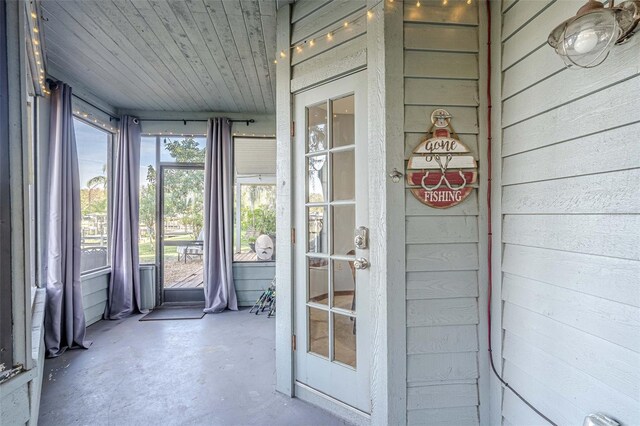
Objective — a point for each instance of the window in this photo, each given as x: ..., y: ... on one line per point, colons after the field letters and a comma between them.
x: 94, y: 148
x: 254, y: 200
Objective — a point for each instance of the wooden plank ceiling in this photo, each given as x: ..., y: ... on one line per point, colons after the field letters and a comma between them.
x: 166, y: 55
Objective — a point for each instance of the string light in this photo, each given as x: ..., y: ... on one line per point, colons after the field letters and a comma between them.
x: 369, y: 14
x: 418, y: 4
x: 346, y: 24
x: 329, y: 36
x: 468, y: 1
x: 445, y: 2
x: 312, y: 43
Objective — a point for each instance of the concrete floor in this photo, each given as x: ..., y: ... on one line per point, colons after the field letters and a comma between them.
x: 219, y: 370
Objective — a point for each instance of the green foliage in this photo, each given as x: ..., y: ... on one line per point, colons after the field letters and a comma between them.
x: 185, y: 150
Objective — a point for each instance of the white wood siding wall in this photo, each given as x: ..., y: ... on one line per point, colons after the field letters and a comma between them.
x: 251, y: 279
x: 442, y: 246
x: 570, y: 232
x: 326, y: 59
x: 94, y: 296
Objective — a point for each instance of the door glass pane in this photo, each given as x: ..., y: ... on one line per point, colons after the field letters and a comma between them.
x: 317, y: 178
x: 183, y: 227
x: 343, y: 175
x: 344, y: 284
x: 317, y: 130
x: 318, y: 270
x: 319, y: 332
x: 343, y: 224
x: 317, y: 221
x: 343, y: 130
x: 344, y: 336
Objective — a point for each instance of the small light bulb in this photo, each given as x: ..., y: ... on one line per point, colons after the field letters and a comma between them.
x: 346, y: 24
x: 33, y: 15
x: 36, y: 30
x: 282, y: 54
x: 298, y: 49
x: 37, y: 53
x: 312, y: 43
x: 369, y: 14
x: 329, y: 36
x: 418, y: 4
x: 36, y: 42
x: 275, y: 61
x: 585, y: 41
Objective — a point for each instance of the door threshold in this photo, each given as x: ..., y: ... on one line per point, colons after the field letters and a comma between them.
x: 183, y: 295
x: 332, y: 405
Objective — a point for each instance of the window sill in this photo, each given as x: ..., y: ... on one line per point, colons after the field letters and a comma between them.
x: 95, y: 273
x: 254, y: 262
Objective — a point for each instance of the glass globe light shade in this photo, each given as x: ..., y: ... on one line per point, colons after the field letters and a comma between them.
x: 586, y: 40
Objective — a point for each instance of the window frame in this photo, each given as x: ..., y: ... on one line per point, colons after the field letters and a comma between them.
x: 238, y: 181
x: 109, y: 170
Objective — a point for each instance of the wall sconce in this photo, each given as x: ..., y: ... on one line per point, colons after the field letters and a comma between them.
x: 586, y: 39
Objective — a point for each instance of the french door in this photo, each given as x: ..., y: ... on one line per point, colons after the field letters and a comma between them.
x: 331, y: 247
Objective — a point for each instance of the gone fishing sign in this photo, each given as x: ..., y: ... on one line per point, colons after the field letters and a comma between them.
x: 442, y: 171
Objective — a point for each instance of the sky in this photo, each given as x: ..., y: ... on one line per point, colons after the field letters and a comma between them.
x: 92, y: 145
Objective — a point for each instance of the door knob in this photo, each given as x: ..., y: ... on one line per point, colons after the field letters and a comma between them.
x: 361, y: 263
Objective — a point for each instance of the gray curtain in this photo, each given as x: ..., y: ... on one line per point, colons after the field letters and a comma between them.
x: 219, y: 290
x: 64, y: 314
x: 124, y: 285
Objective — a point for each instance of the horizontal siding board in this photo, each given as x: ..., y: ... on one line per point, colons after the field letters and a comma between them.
x: 469, y: 207
x: 248, y: 298
x: 442, y: 339
x: 337, y: 54
x: 602, y: 193
x: 440, y: 367
x: 251, y: 285
x: 453, y: 65
x: 458, y: 311
x: 441, y: 229
x: 433, y: 11
x: 303, y: 8
x: 521, y: 13
x: 330, y: 68
x: 455, y: 416
x: 94, y: 284
x: 579, y: 388
x: 541, y: 64
x: 420, y: 91
x: 321, y: 44
x: 441, y: 285
x: 93, y: 314
x: 442, y: 396
x: 535, y: 34
x: 579, y: 118
x: 611, y: 364
x: 590, y: 234
x: 597, y: 153
x: 417, y: 119
x: 548, y: 401
x: 98, y: 297
x: 440, y: 38
x: 562, y: 87
x: 325, y: 18
x: 441, y: 257
x: 605, y: 277
x: 254, y: 272
x: 612, y: 321
x: 412, y: 139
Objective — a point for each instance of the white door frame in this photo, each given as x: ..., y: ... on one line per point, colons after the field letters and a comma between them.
x: 386, y: 207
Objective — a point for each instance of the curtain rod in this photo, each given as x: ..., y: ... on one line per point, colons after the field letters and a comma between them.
x: 53, y: 84
x: 248, y: 121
